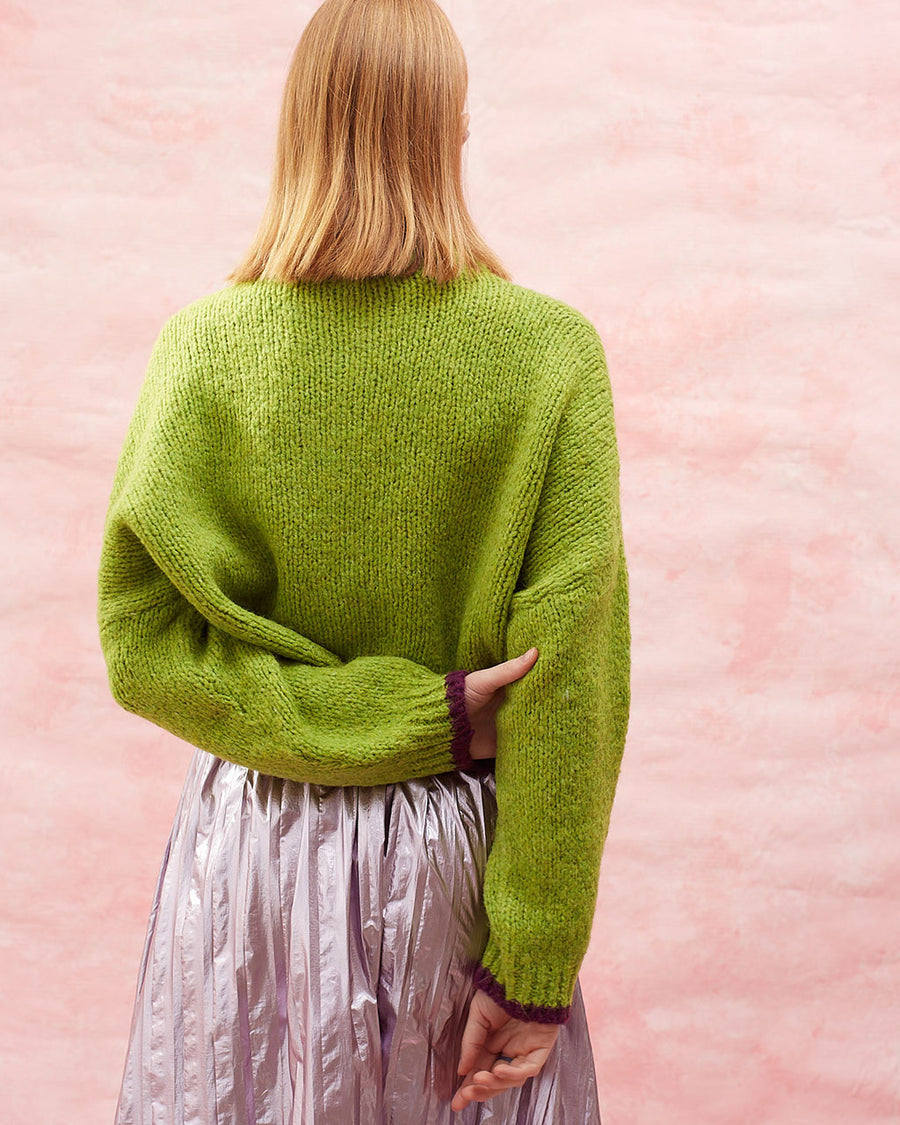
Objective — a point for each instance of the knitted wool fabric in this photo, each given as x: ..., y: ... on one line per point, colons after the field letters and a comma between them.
x: 336, y: 499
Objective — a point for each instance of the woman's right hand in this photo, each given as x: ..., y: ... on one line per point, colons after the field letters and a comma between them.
x: 485, y: 690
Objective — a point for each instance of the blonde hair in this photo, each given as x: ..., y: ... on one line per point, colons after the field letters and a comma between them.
x: 367, y: 175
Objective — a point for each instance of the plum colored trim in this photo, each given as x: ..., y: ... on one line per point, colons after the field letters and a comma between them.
x: 537, y: 1013
x: 459, y: 718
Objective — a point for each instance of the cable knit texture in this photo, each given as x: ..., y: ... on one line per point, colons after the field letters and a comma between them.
x: 334, y: 501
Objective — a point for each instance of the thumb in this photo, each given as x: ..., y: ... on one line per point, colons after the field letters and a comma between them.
x: 514, y: 669
x: 501, y: 674
x: 473, y: 1039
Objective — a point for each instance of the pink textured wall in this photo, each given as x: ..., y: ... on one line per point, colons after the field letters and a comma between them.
x: 716, y: 185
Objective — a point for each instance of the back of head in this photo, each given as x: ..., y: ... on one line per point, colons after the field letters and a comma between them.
x: 367, y: 177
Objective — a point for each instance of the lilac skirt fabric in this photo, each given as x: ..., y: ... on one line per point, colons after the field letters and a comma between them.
x: 309, y: 960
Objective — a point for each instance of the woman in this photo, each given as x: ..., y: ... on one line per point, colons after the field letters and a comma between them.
x: 364, y: 552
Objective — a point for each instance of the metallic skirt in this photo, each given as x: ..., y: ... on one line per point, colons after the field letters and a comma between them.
x: 309, y: 959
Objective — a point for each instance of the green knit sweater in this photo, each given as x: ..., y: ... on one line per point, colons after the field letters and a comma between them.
x: 336, y: 499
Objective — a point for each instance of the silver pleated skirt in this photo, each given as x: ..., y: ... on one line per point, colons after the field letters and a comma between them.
x: 309, y: 959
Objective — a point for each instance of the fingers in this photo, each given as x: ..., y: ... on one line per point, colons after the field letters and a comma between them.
x: 483, y: 1084
x: 508, y: 1073
x: 492, y: 1078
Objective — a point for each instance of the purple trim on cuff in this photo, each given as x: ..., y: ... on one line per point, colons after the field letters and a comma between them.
x: 454, y: 683
x: 536, y: 1013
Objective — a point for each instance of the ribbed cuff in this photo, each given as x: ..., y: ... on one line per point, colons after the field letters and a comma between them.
x: 459, y: 719
x: 536, y: 1013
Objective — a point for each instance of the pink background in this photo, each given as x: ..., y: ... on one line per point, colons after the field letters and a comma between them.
x: 716, y: 185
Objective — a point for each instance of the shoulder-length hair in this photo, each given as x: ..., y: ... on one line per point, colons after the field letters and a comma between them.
x: 367, y: 176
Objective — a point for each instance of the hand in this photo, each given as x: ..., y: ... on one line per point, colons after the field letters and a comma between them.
x: 491, y: 1031
x: 485, y: 690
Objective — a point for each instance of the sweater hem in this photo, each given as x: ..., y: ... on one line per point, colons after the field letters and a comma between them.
x: 485, y: 980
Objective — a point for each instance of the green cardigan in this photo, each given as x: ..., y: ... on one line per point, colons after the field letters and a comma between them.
x: 333, y: 500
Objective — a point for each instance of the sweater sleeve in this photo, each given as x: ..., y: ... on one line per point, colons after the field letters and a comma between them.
x: 561, y: 729
x: 188, y: 647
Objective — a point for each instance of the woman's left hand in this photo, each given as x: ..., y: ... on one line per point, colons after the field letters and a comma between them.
x: 490, y: 1031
